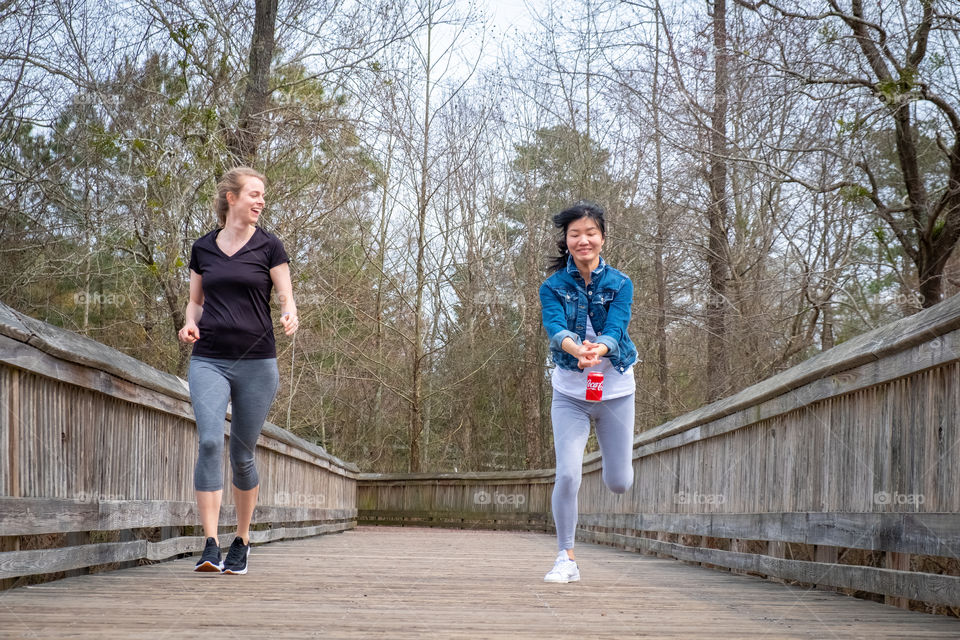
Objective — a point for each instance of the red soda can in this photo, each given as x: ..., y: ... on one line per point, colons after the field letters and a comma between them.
x: 595, y: 386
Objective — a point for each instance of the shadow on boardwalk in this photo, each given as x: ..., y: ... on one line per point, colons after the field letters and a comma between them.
x: 379, y: 582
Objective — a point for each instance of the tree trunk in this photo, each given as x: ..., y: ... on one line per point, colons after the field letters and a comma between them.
x: 717, y: 250
x: 243, y: 142
x: 532, y: 368
x: 660, y: 331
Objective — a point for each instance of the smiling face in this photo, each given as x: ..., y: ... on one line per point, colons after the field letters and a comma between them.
x: 584, y: 241
x: 247, y: 205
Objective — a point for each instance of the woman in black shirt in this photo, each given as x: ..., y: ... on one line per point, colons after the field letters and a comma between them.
x: 232, y: 271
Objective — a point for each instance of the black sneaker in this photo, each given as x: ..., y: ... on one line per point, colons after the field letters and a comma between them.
x: 236, y: 562
x: 210, y: 560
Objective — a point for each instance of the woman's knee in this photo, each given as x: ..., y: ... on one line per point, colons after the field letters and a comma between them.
x: 211, y: 448
x: 245, y: 475
x: 567, y: 483
x: 620, y: 484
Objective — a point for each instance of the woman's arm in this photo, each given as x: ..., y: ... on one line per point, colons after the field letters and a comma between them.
x: 618, y: 319
x: 190, y: 333
x: 280, y: 275
x: 554, y: 322
x: 554, y: 318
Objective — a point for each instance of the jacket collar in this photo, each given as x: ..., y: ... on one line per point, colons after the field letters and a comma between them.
x: 575, y: 273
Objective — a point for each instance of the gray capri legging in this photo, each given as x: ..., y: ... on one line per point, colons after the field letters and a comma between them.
x: 571, y: 428
x: 251, y: 385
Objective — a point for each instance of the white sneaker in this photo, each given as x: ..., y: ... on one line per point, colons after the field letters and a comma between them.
x: 564, y: 570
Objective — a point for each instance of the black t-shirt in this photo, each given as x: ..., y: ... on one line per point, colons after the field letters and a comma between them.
x: 236, y: 322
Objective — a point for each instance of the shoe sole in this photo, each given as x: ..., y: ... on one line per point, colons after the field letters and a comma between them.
x: 577, y: 579
x: 208, y: 567
x: 238, y: 572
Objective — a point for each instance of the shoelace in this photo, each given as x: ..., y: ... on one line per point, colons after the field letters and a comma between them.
x: 210, y: 552
x: 236, y: 553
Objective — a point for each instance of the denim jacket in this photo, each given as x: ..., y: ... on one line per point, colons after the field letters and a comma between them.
x: 566, y: 303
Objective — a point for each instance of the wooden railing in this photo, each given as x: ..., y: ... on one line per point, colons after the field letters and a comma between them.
x: 518, y: 500
x: 842, y: 472
x: 97, y: 462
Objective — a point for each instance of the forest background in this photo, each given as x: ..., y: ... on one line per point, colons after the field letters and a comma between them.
x: 777, y: 180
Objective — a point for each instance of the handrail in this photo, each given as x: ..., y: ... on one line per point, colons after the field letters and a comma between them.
x: 99, y: 451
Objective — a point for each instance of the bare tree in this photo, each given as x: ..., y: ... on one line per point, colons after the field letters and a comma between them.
x: 889, y: 54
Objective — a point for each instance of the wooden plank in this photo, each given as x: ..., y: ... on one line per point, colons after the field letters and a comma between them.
x: 13, y: 435
x: 446, y: 584
x: 936, y: 534
x: 480, y: 477
x: 72, y: 347
x: 168, y: 399
x: 29, y: 358
x: 441, y: 514
x: 911, y: 361
x: 926, y: 587
x: 286, y: 533
x: 32, y: 516
x: 932, y: 326
x: 899, y: 562
x: 194, y: 544
x: 14, y: 564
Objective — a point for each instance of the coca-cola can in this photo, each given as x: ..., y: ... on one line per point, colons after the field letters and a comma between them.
x: 595, y: 386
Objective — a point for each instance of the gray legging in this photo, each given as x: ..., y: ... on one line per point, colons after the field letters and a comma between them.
x: 252, y: 386
x: 571, y: 427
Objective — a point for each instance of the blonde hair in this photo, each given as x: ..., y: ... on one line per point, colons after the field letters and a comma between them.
x: 232, y: 182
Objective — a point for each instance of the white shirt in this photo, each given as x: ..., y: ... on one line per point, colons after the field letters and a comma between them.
x: 574, y: 383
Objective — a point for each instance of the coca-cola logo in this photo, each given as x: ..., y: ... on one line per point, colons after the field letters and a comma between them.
x: 596, y: 385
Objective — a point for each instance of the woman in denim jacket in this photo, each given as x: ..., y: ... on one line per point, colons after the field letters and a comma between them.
x: 586, y: 310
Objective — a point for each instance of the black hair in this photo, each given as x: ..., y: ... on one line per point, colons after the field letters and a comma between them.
x: 583, y: 209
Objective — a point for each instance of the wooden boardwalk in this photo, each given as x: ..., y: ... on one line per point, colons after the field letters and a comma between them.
x: 381, y: 582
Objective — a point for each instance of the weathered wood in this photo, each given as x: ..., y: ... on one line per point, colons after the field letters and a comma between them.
x: 14, y: 564
x: 936, y: 534
x: 899, y: 562
x: 24, y: 563
x: 505, y: 521
x: 72, y: 347
x: 32, y: 516
x: 446, y: 584
x: 95, y: 442
x: 286, y: 533
x: 27, y: 357
x: 928, y: 326
x: 930, y: 588
x: 481, y: 477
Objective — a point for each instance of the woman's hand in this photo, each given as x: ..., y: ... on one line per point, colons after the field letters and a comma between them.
x: 590, y: 354
x: 587, y: 356
x: 189, y: 333
x: 587, y: 353
x: 289, y: 322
